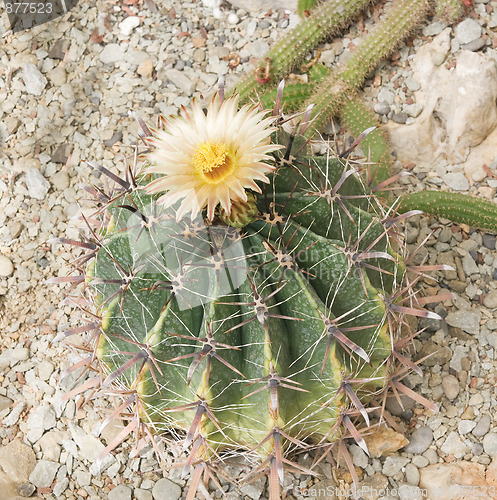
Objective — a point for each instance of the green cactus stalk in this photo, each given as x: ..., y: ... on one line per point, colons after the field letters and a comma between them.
x: 357, y: 118
x: 265, y: 329
x: 305, y: 6
x: 327, y: 18
x: 399, y: 21
x: 457, y: 207
x: 450, y: 10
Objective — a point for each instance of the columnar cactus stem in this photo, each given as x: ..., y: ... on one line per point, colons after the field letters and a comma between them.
x: 399, y: 22
x: 305, y: 6
x: 461, y: 208
x: 451, y: 10
x: 327, y: 19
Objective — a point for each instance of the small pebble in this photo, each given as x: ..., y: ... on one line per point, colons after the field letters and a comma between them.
x: 483, y: 426
x: 412, y: 474
x: 38, y: 186
x: 164, y: 489
x: 128, y: 25
x: 475, y: 45
x: 26, y: 489
x: 34, y: 80
x: 382, y: 108
x: 233, y: 18
x: 489, y: 241
x: 121, y: 492
x: 456, y: 181
x: 112, y: 53
x: 465, y: 426
x: 454, y: 446
x: 469, y: 321
x: 467, y: 31
x: 400, y: 117
x: 44, y: 473
x: 420, y: 440
x: 6, y: 266
x: 490, y: 443
x: 450, y: 386
x: 490, y: 299
x: 393, y: 464
x: 141, y: 494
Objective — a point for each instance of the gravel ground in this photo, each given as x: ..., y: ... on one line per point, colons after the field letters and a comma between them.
x: 66, y: 92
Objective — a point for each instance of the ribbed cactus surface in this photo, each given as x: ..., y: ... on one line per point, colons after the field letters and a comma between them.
x: 267, y: 330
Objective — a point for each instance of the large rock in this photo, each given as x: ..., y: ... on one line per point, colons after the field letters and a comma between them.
x: 18, y: 461
x: 447, y: 481
x: 459, y: 117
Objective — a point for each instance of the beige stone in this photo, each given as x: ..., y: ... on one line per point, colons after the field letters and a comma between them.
x: 452, y: 481
x: 145, y: 68
x: 18, y: 461
x: 384, y: 441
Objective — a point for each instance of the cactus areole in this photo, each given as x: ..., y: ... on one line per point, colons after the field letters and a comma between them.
x: 243, y: 295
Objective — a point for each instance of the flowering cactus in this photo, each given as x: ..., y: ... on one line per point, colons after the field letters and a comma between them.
x: 242, y: 294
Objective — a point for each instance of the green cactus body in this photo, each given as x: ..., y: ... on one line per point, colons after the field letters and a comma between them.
x: 266, y: 335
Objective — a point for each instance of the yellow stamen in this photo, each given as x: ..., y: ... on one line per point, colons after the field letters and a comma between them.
x: 213, y: 161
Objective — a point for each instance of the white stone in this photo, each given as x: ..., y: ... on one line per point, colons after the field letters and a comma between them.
x: 456, y: 181
x: 454, y: 446
x: 112, y: 53
x: 43, y: 417
x: 128, y: 25
x: 465, y: 426
x: 233, y: 18
x: 57, y: 76
x: 121, y: 492
x: 469, y: 321
x: 164, y: 489
x: 13, y: 417
x: 467, y: 31
x: 44, y: 473
x: 6, y: 266
x: 45, y: 369
x: 212, y: 4
x: 38, y: 186
x: 33, y: 79
x: 181, y: 81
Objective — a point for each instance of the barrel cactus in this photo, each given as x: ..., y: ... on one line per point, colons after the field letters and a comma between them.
x: 243, y: 294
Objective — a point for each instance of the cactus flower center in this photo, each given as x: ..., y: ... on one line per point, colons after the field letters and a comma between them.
x: 213, y: 162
